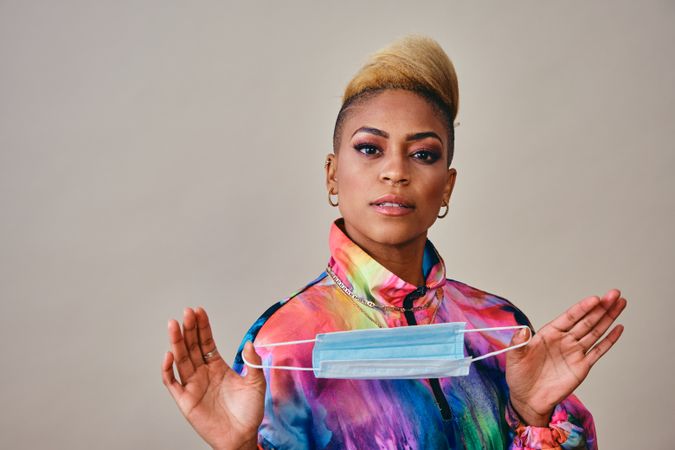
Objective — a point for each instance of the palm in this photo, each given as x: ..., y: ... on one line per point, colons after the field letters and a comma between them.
x: 554, y: 363
x: 222, y: 406
x: 560, y: 356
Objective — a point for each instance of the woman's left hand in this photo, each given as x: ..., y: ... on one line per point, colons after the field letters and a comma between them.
x: 558, y: 358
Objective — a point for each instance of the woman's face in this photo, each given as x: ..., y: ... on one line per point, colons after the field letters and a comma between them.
x: 390, y: 172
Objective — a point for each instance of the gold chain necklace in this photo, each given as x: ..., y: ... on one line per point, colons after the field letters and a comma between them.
x: 370, y: 303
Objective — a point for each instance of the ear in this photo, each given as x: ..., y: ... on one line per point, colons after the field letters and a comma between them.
x: 331, y: 172
x: 449, y: 185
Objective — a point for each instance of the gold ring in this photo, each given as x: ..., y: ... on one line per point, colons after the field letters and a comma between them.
x: 211, y: 354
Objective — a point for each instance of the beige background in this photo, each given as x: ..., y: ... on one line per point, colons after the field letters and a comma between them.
x: 155, y: 155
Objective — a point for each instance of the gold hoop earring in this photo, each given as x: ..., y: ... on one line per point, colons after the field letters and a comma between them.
x: 330, y: 200
x: 447, y: 208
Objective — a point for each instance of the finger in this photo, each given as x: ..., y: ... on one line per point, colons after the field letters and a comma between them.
x: 610, y: 298
x: 613, y: 294
x: 569, y: 318
x: 191, y: 340
x: 206, y: 343
x: 590, y: 320
x: 169, y: 377
x: 604, y: 345
x: 594, y: 334
x: 519, y: 337
x: 253, y: 374
x: 180, y: 353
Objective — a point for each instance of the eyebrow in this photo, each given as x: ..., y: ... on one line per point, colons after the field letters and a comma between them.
x: 408, y: 137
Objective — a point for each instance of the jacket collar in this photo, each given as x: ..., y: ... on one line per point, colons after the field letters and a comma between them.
x: 367, y: 278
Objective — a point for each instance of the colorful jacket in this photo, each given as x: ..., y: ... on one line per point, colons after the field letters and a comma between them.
x: 465, y: 412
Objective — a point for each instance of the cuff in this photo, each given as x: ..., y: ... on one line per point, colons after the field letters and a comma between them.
x: 539, y: 438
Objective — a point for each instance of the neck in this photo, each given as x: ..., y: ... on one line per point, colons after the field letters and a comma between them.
x: 402, y: 259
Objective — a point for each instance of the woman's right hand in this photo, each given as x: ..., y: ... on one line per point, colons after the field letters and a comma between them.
x: 222, y: 406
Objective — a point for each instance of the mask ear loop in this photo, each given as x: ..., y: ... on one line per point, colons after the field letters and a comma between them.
x: 497, y: 352
x: 278, y: 344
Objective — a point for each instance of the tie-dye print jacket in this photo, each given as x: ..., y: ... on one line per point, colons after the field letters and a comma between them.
x: 469, y: 412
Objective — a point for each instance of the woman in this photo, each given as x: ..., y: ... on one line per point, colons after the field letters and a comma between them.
x: 391, y: 178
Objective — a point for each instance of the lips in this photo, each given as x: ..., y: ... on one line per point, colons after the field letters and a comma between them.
x: 393, y: 206
x: 393, y: 201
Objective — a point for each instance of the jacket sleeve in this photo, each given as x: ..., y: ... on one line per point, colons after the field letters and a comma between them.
x: 288, y: 418
x: 571, y: 428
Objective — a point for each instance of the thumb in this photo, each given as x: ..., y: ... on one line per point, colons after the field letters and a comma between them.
x: 519, y: 337
x: 253, y: 374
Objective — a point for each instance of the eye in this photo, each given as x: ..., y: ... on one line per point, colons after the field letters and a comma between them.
x: 367, y: 149
x: 426, y: 156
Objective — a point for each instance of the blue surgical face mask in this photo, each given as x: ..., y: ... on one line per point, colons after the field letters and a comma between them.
x: 422, y: 351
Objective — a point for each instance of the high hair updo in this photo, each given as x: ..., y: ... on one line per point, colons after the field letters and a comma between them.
x: 414, y: 63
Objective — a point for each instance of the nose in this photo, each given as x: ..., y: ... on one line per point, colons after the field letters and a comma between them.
x: 395, y: 170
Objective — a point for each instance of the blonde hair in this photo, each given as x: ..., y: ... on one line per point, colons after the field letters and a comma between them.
x: 415, y: 63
